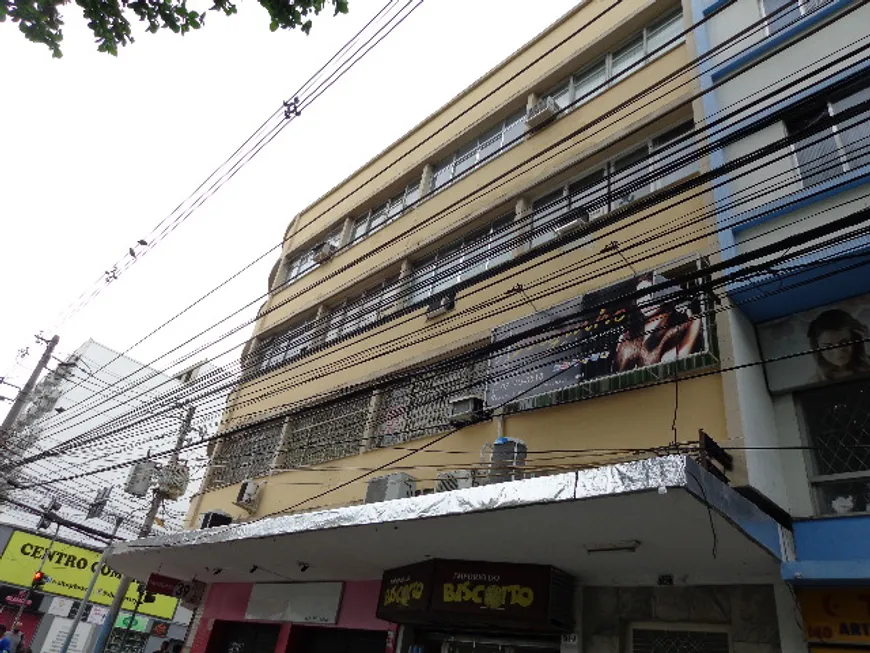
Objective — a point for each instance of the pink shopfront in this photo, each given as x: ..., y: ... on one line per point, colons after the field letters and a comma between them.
x: 320, y: 617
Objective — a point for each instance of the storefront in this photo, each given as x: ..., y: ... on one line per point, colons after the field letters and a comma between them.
x: 836, y: 618
x: 459, y: 606
x: 11, y: 601
x: 315, y: 617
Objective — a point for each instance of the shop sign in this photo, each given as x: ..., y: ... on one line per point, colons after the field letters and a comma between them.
x: 836, y: 615
x: 57, y: 633
x: 613, y: 340
x: 69, y: 569
x: 820, y: 331
x: 302, y: 603
x: 138, y: 624
x: 188, y: 592
x: 461, y: 591
x: 17, y: 597
x: 97, y: 615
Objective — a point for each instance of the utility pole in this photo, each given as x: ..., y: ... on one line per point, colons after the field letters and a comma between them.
x: 144, y: 531
x: 24, y: 394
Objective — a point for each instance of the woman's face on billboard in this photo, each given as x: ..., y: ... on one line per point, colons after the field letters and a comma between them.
x: 839, y: 356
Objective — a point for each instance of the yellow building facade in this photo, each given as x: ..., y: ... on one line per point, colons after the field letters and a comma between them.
x: 551, y: 189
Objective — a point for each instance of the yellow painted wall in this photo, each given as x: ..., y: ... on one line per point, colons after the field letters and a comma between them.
x: 605, y: 422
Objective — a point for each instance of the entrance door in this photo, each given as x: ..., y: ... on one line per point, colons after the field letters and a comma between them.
x: 236, y: 637
x: 307, y: 639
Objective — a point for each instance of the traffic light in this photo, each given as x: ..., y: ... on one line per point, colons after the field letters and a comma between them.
x: 39, y: 579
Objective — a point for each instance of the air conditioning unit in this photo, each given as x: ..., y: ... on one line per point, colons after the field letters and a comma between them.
x: 390, y: 487
x: 466, y: 410
x: 459, y: 479
x: 568, y: 227
x: 440, y: 305
x: 249, y: 495
x: 598, y: 212
x: 506, y: 460
x: 541, y: 112
x: 323, y: 252
x: 215, y: 518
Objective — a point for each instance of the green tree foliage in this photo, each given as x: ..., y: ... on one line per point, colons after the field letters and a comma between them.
x: 109, y: 20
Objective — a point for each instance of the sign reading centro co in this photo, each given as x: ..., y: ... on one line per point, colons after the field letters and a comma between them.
x: 70, y: 568
x: 457, y: 592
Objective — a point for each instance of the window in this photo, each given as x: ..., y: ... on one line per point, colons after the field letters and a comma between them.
x: 245, y: 454
x: 290, y: 343
x: 304, y: 263
x: 328, y: 432
x: 479, y: 150
x: 385, y: 213
x: 463, y: 259
x: 836, y: 420
x: 660, y: 162
x: 787, y: 17
x: 361, y: 310
x: 421, y: 406
x: 653, y: 41
x: 835, y: 147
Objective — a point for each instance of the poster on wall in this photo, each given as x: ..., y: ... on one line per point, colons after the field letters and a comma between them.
x: 606, y: 334
x: 836, y: 335
x: 56, y: 636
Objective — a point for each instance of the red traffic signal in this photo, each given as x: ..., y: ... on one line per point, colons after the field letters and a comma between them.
x: 39, y: 579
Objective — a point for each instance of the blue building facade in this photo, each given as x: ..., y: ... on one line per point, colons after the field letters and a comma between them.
x: 785, y: 91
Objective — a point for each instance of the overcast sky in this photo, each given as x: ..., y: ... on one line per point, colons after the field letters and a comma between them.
x: 96, y: 150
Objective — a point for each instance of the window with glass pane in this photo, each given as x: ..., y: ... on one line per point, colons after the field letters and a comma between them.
x: 817, y: 154
x: 293, y: 269
x: 336, y: 320
x: 443, y: 174
x: 397, y: 205
x: 264, y: 353
x: 412, y: 195
x: 389, y: 296
x: 474, y: 253
x: 590, y: 193
x: 837, y: 419
x: 590, y: 82
x: 783, y: 19
x: 515, y: 127
x: 562, y: 96
x: 665, y: 33
x: 359, y: 228
x: 546, y: 212
x: 626, y: 173
x: 668, y: 149
x: 421, y: 280
x: 490, y: 142
x: 379, y: 218
x: 449, y: 266
x: 500, y: 241
x: 854, y: 133
x: 466, y: 159
x: 624, y: 59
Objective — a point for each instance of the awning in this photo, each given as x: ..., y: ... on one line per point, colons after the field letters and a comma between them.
x: 619, y: 524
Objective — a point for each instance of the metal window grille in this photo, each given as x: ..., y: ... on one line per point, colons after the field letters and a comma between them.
x: 649, y: 640
x: 837, y: 419
x: 421, y: 406
x: 327, y: 432
x: 247, y: 454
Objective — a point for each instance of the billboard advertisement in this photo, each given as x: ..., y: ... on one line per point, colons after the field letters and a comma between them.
x: 69, y: 569
x: 607, y: 333
x: 835, y: 335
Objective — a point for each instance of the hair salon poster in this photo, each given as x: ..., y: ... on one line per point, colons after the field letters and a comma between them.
x: 610, y: 331
x: 835, y: 335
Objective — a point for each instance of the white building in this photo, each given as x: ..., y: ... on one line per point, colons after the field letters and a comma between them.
x: 107, y: 409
